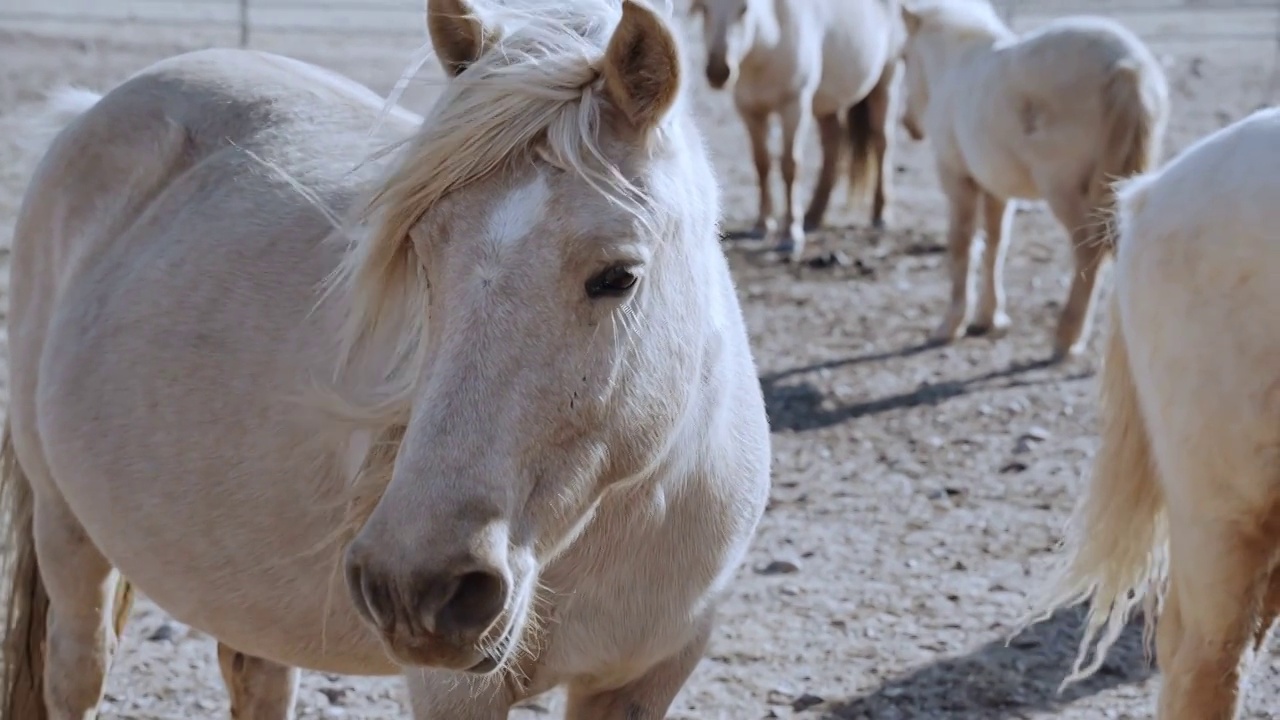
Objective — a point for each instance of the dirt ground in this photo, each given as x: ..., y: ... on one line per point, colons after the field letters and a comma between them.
x: 917, y: 492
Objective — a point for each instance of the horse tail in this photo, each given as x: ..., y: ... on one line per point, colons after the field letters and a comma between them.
x: 28, y: 605
x: 27, y: 610
x: 1134, y: 108
x: 858, y: 136
x: 1117, y: 539
x: 61, y: 107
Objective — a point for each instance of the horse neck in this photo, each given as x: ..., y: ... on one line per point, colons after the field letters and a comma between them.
x: 956, y: 48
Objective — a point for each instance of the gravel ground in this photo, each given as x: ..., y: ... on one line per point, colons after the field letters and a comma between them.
x: 917, y: 492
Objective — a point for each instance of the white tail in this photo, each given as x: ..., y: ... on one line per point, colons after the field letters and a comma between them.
x: 60, y: 108
x: 1116, y: 541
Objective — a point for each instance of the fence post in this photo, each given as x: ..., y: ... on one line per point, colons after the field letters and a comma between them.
x: 244, y: 23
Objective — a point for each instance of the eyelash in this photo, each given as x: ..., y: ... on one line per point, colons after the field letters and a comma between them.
x: 612, y: 282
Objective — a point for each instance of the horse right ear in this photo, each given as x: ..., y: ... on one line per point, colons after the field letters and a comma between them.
x: 459, y: 37
x: 911, y: 19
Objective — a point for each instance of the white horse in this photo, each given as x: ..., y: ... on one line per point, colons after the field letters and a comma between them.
x: 1183, y: 509
x: 807, y: 60
x: 541, y: 471
x: 1058, y: 114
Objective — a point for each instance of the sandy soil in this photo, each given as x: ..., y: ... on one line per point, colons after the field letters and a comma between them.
x: 916, y: 492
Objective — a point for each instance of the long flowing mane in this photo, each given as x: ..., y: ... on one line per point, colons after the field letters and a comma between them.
x: 536, y: 92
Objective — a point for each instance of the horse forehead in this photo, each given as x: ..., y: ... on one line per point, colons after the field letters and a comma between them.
x: 518, y: 212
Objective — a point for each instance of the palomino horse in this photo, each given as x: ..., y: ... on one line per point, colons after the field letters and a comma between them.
x: 1183, y: 509
x: 510, y: 406
x: 1057, y: 114
x: 806, y: 60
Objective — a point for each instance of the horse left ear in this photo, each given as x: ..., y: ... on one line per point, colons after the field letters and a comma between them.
x: 459, y: 37
x: 911, y: 19
x: 642, y: 66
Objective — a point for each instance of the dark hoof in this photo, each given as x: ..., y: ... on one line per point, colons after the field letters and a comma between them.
x: 811, y: 223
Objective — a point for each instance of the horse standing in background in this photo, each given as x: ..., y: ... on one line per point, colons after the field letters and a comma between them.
x: 808, y: 60
x: 494, y: 425
x: 1182, y: 513
x: 1058, y: 114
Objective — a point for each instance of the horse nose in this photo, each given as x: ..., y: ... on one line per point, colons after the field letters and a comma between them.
x: 717, y: 73
x: 458, y: 603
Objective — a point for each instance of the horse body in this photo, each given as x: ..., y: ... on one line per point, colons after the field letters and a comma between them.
x: 1182, y: 513
x: 1056, y: 114
x: 205, y: 378
x: 242, y: 408
x: 808, y: 61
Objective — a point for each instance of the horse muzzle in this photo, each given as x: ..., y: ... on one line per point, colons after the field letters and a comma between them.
x: 718, y: 73
x: 434, y: 617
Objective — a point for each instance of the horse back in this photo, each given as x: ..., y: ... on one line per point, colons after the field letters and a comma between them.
x: 176, y: 190
x: 1072, y: 58
x: 860, y: 39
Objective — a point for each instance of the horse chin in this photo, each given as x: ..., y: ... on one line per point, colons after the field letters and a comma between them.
x: 481, y: 658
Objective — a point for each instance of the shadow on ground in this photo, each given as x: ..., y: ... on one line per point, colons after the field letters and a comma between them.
x: 999, y: 682
x: 803, y: 406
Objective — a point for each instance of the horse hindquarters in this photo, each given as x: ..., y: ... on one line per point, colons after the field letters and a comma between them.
x: 1190, y: 430
x: 1135, y: 103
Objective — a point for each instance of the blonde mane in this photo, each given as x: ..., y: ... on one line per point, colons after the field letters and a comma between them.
x: 535, y: 93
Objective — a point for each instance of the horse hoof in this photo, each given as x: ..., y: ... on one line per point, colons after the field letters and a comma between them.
x: 765, y: 227
x: 879, y: 225
x: 941, y: 336
x: 1061, y: 355
x: 995, y: 328
x: 811, y: 224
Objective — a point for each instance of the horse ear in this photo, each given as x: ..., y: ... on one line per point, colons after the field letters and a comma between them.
x: 642, y: 66
x: 697, y: 6
x: 911, y: 19
x: 459, y: 37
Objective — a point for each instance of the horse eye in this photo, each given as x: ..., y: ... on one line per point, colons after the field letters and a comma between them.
x: 611, y: 282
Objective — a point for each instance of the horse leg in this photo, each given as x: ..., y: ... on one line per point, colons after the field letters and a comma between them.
x: 882, y: 106
x: 80, y: 584
x: 829, y: 132
x: 1219, y: 577
x: 758, y: 130
x: 259, y: 689
x: 997, y: 217
x: 646, y: 698
x: 796, y: 118
x: 1090, y: 252
x: 1270, y: 610
x: 962, y: 206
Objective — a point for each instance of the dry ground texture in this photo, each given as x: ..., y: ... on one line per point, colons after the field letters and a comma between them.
x: 917, y: 493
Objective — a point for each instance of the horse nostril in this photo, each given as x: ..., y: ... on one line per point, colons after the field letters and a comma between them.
x: 370, y: 602
x: 477, y: 600
x: 717, y: 73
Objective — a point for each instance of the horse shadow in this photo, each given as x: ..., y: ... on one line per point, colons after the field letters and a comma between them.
x: 800, y: 407
x: 999, y: 681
